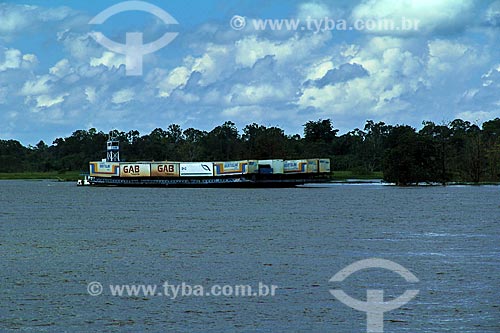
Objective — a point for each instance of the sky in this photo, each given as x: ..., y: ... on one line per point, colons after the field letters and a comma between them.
x: 440, y: 60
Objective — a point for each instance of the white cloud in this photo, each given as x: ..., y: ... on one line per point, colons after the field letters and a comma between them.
x: 489, y: 78
x: 90, y: 92
x: 319, y: 69
x: 314, y: 10
x: 248, y: 113
x: 108, y: 59
x: 250, y: 49
x: 12, y: 59
x: 48, y: 101
x: 356, y: 96
x: 212, y: 63
x: 492, y: 15
x: 186, y: 98
x: 432, y: 15
x: 450, y: 62
x: 54, y: 14
x: 29, y: 60
x: 482, y: 100
x: 123, y: 96
x: 176, y: 78
x: 79, y: 47
x: 36, y: 87
x: 251, y: 76
x: 14, y: 17
x: 393, y: 72
x: 245, y: 94
x: 477, y: 117
x: 20, y: 18
x: 61, y: 68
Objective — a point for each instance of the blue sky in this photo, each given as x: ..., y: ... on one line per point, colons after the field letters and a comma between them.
x: 55, y: 78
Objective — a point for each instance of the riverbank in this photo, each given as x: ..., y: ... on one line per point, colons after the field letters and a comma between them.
x: 59, y: 176
x: 351, y: 175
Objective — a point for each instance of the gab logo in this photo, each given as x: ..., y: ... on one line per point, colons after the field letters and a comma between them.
x: 134, y: 49
x: 375, y: 307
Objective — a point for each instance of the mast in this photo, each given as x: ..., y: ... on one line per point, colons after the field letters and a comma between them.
x: 113, y: 150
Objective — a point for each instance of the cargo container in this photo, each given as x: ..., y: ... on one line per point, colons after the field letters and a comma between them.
x: 271, y: 166
x: 104, y: 169
x: 190, y: 169
x: 312, y: 165
x: 324, y: 165
x: 135, y: 170
x: 235, y: 168
x: 295, y: 166
x: 253, y: 166
x: 244, y: 173
x: 165, y: 169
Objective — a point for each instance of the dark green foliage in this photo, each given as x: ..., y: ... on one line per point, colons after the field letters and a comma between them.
x: 410, y: 157
x: 458, y: 151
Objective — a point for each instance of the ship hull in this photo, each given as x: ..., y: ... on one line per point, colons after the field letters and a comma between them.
x: 209, y: 182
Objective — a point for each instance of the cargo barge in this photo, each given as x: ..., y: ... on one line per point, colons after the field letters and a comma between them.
x: 244, y: 173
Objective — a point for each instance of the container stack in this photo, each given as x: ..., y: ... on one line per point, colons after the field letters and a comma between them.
x: 168, y: 169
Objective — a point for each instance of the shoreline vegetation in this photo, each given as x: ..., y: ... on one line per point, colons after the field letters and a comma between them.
x: 457, y: 152
x: 49, y: 175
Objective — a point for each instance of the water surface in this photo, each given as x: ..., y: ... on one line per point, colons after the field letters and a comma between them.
x: 55, y: 238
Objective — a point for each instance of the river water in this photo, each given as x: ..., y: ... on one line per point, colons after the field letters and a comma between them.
x: 56, y: 238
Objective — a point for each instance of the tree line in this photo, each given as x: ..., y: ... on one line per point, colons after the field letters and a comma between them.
x: 456, y: 151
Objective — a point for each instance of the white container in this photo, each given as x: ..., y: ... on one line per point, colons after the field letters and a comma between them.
x: 197, y: 169
x: 276, y: 165
x: 312, y: 165
x: 324, y: 165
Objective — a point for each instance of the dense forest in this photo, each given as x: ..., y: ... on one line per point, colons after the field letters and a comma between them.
x: 457, y: 151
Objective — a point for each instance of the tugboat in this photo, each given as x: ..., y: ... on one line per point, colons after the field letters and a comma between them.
x: 83, y: 182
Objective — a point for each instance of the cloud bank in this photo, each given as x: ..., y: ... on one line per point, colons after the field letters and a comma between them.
x: 450, y: 68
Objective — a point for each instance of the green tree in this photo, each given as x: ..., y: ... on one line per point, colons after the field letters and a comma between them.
x: 319, y: 136
x: 491, y: 139
x: 261, y: 142
x: 410, y: 158
x: 440, y: 137
x: 192, y: 149
x: 222, y: 143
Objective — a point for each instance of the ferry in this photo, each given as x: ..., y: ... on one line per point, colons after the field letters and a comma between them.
x: 243, y: 173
